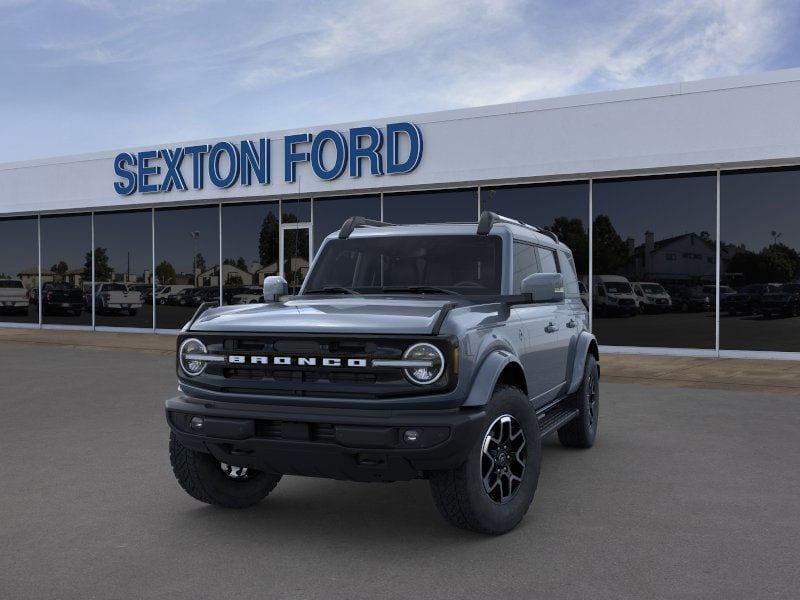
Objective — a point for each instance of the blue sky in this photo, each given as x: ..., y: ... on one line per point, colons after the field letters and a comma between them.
x: 85, y: 75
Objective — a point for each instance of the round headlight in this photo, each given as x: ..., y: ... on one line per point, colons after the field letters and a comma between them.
x: 432, y: 368
x: 189, y: 348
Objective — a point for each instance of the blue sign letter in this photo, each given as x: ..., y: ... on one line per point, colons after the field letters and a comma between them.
x: 145, y: 171
x: 371, y: 151
x: 415, y: 153
x: 254, y: 161
x: 213, y: 164
x: 122, y: 159
x: 197, y: 153
x: 317, y: 148
x: 173, y: 176
x: 290, y: 157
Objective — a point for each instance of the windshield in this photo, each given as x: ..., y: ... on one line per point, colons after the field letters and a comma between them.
x: 618, y: 288
x: 10, y: 283
x: 463, y: 264
x: 653, y: 288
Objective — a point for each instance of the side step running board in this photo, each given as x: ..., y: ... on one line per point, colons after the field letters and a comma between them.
x: 555, y: 419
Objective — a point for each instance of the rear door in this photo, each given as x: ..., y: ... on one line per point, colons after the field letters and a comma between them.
x: 566, y: 314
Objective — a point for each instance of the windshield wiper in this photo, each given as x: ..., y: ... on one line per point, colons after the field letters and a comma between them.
x: 418, y: 289
x: 333, y: 289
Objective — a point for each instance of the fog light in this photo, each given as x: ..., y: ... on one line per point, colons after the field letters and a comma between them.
x: 411, y: 436
x: 196, y: 423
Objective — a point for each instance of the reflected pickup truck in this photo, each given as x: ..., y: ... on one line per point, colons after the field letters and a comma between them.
x: 444, y: 352
x: 13, y: 296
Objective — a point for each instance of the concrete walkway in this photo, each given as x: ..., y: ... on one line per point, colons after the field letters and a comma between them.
x: 773, y: 376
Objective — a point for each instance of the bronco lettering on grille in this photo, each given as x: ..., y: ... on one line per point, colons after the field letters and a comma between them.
x: 300, y: 361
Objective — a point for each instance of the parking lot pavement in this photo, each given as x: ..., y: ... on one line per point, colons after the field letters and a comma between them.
x: 688, y: 494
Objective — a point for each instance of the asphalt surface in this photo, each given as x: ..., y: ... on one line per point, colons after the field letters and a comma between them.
x: 687, y: 494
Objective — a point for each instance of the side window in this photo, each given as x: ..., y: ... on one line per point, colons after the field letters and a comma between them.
x: 570, y: 277
x: 547, y: 258
x: 525, y: 263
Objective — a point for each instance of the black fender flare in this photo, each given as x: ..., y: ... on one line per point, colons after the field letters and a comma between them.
x: 586, y: 344
x: 485, y: 379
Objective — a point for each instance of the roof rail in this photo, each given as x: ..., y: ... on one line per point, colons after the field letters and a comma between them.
x: 353, y: 223
x: 488, y: 219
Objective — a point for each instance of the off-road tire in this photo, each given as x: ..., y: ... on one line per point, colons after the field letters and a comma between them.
x: 202, y: 477
x: 582, y: 430
x: 459, y: 493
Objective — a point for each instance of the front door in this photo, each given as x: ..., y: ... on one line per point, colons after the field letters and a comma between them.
x: 295, y: 253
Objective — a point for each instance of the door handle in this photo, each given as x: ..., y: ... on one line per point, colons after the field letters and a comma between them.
x: 571, y: 323
x: 551, y: 328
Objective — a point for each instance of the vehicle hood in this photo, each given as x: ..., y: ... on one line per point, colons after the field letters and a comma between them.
x: 327, y: 315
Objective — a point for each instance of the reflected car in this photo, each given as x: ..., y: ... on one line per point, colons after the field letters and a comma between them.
x: 145, y: 290
x: 725, y: 291
x: 163, y: 294
x: 197, y: 296
x: 251, y: 295
x: 691, y: 299
x: 114, y: 298
x: 784, y: 302
x: 62, y: 298
x: 652, y: 297
x: 14, y: 297
x: 614, y: 296
x: 181, y: 297
x: 747, y: 300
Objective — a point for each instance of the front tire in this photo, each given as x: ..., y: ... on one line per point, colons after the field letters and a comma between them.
x: 581, y: 431
x: 206, y: 479
x: 491, y: 492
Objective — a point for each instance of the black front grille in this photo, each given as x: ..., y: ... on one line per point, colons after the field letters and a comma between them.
x: 345, y: 381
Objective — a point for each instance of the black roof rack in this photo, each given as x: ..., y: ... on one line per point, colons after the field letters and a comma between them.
x: 354, y: 222
x: 488, y: 219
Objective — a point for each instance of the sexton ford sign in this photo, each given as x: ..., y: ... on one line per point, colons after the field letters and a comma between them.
x: 225, y: 164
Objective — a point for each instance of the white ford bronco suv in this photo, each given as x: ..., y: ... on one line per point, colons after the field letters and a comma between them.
x: 440, y: 351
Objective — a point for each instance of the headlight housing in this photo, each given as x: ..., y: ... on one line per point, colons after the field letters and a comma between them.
x: 430, y: 365
x: 188, y: 357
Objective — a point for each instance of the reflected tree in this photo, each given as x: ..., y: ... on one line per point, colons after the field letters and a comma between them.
x: 268, y: 241
x: 574, y: 234
x: 165, y: 273
x: 610, y: 250
x: 102, y: 270
x: 60, y: 268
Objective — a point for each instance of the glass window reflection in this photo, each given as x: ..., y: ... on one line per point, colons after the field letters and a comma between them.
x: 331, y: 213
x: 431, y: 207
x: 250, y: 242
x: 66, y: 269
x: 654, y: 261
x: 19, y: 270
x: 187, y: 262
x: 123, y: 268
x: 760, y: 260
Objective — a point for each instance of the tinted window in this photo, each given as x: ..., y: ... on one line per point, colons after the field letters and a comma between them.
x: 296, y: 210
x: 760, y: 244
x: 525, y: 263
x: 123, y: 254
x: 547, y: 258
x: 657, y: 230
x: 331, y: 213
x: 249, y: 247
x: 19, y: 267
x: 187, y: 256
x: 464, y: 264
x: 560, y: 207
x: 431, y: 207
x: 67, y: 261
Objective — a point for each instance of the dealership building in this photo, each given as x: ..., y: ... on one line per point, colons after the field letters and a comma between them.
x: 679, y: 201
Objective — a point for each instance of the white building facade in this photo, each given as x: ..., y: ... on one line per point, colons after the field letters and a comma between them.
x: 686, y: 185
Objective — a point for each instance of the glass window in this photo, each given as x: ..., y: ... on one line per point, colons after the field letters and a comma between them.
x: 760, y: 260
x: 560, y: 207
x: 547, y: 258
x: 123, y: 267
x: 331, y: 213
x: 525, y: 263
x: 187, y: 262
x: 250, y: 237
x: 296, y: 210
x: 647, y: 231
x: 469, y: 265
x: 66, y: 269
x: 19, y: 270
x: 431, y: 207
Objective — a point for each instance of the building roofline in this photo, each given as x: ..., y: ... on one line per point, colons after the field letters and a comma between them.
x: 716, y: 84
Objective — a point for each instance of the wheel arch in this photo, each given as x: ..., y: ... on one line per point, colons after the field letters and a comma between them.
x: 499, y: 367
x: 586, y: 345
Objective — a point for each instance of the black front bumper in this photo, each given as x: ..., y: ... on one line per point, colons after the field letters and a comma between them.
x: 356, y: 445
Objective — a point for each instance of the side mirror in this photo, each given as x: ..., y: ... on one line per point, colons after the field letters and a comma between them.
x: 544, y: 287
x: 274, y: 286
